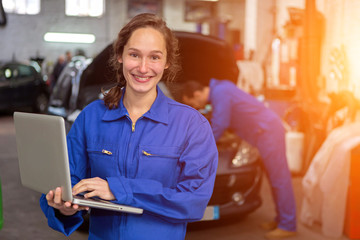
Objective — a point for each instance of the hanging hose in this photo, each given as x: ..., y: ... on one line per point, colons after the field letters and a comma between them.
x: 2, y: 15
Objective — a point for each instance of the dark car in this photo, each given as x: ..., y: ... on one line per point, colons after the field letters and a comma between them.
x: 64, y: 96
x: 21, y: 85
x: 236, y: 191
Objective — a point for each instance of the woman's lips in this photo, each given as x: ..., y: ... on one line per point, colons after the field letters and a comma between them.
x: 142, y: 79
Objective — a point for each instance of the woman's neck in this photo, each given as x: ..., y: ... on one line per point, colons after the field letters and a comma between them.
x: 138, y: 104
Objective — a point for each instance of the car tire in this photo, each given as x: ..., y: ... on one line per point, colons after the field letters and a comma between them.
x: 41, y: 103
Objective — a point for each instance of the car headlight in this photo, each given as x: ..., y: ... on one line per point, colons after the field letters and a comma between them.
x: 245, y: 155
x: 238, y: 198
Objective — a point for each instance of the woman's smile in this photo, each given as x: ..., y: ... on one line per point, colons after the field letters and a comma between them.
x: 142, y: 79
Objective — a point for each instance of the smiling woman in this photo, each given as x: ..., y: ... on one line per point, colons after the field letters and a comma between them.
x: 163, y: 154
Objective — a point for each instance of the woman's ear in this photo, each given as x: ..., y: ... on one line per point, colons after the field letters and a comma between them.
x: 120, y: 60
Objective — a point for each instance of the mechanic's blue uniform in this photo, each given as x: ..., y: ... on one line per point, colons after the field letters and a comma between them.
x: 261, y: 127
x: 166, y: 164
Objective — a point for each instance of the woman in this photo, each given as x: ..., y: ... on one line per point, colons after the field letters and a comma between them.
x: 138, y: 147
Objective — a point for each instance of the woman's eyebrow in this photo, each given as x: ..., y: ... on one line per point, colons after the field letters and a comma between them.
x: 153, y: 51
x: 157, y: 51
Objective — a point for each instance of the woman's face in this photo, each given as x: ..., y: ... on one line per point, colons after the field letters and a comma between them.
x: 144, y: 60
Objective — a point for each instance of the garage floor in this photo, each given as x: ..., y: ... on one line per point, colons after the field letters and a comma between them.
x: 23, y: 218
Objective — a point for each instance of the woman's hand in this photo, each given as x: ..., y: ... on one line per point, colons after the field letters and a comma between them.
x: 94, y: 187
x: 66, y: 208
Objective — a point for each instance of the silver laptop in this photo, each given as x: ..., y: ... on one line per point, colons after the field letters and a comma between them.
x: 43, y: 159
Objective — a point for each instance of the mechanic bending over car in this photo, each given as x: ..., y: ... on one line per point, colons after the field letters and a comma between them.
x: 138, y: 147
x: 252, y: 121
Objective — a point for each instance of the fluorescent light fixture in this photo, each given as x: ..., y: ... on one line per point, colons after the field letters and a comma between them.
x: 69, y: 37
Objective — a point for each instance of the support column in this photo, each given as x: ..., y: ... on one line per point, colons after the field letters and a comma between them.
x: 250, y: 31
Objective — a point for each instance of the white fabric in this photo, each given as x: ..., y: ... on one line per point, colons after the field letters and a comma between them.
x: 251, y: 77
x: 294, y: 150
x: 326, y: 182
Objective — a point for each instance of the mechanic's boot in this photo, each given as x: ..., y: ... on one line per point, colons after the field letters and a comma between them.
x: 279, y: 233
x: 269, y: 225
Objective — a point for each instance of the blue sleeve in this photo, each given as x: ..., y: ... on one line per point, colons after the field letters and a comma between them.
x: 61, y: 223
x: 188, y: 200
x: 221, y: 113
x: 58, y: 222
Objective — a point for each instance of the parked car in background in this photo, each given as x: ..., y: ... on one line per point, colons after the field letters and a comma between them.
x: 21, y: 85
x: 238, y: 180
x: 65, y: 92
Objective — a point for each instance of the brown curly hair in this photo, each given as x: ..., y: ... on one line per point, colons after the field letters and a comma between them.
x: 144, y: 20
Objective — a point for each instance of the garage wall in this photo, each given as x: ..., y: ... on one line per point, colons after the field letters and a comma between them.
x: 22, y: 38
x: 23, y: 35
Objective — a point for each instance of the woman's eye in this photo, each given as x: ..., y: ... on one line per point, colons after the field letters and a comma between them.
x: 133, y: 55
x: 155, y: 57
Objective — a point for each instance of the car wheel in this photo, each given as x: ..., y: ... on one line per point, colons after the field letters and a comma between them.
x: 41, y: 103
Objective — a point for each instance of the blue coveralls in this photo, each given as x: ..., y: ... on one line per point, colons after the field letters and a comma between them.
x: 164, y: 163
x: 261, y: 127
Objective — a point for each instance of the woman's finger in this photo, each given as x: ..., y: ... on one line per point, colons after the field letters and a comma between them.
x: 50, y: 196
x: 57, y: 198
x: 95, y: 187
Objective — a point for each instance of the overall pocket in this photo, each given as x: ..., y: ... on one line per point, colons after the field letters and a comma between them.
x: 103, y: 160
x: 159, y: 163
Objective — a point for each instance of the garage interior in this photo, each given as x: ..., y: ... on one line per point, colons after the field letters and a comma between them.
x: 298, y: 57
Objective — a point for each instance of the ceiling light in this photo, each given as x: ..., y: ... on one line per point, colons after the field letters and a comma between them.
x: 69, y: 37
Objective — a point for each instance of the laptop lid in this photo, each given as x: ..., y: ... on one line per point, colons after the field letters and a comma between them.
x: 43, y: 159
x: 42, y: 153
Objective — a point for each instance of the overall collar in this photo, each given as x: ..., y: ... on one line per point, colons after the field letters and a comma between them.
x: 158, y: 112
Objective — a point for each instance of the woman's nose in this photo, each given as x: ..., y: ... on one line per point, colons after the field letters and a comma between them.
x: 143, y: 65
